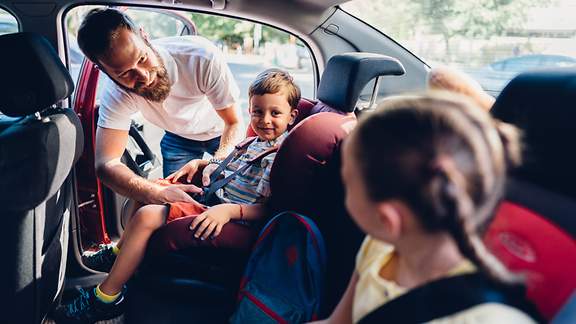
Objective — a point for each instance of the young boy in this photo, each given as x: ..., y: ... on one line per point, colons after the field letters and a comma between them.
x: 273, y: 99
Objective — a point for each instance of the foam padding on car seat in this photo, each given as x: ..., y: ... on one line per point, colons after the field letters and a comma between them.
x: 310, y: 149
x: 533, y: 246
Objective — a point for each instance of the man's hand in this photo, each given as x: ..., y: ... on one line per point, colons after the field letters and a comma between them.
x: 207, y: 172
x: 188, y: 170
x: 175, y: 193
x: 209, y: 224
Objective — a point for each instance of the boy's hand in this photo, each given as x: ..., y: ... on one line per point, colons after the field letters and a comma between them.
x: 209, y: 224
x: 188, y: 170
x: 208, y: 170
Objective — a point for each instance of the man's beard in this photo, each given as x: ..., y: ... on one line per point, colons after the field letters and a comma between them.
x: 159, y: 90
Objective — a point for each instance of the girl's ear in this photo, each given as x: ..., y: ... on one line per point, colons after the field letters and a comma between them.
x: 293, y: 115
x: 390, y: 215
x: 144, y: 34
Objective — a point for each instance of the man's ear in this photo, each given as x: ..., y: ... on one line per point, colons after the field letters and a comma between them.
x: 293, y: 114
x: 390, y: 216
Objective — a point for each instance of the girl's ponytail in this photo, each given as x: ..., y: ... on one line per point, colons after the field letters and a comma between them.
x: 510, y: 138
x: 460, y: 209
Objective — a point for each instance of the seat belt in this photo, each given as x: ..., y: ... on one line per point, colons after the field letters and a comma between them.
x: 216, y: 184
x: 447, y: 296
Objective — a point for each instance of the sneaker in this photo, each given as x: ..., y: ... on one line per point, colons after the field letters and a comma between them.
x: 87, y: 308
x: 101, y: 260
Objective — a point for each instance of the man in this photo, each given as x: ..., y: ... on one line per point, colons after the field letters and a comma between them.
x: 180, y: 84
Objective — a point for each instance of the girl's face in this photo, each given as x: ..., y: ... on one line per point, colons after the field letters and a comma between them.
x: 361, y: 208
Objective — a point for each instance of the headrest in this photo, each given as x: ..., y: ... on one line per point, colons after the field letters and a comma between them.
x: 541, y: 103
x: 34, y: 77
x: 347, y: 74
x: 304, y: 157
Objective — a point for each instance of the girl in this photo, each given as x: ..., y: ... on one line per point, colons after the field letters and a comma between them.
x: 423, y: 175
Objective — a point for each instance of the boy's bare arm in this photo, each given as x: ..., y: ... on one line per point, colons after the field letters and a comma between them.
x: 251, y: 212
x: 210, y: 223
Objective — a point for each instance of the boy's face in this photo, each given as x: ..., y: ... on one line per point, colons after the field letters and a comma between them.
x: 270, y: 115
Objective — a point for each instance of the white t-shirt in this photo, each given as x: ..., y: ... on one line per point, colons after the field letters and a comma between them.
x: 201, y: 84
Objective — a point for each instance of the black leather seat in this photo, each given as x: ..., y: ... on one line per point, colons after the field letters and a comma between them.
x: 39, y: 145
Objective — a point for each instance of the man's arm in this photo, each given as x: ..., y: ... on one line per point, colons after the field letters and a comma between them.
x: 110, y: 145
x: 232, y: 133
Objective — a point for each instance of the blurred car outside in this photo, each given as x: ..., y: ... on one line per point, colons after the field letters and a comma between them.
x: 495, y: 76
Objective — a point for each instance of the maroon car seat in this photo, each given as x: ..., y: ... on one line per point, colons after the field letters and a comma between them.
x: 534, y: 229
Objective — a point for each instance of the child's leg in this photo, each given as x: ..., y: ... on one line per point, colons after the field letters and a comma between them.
x: 134, y: 242
x: 137, y: 206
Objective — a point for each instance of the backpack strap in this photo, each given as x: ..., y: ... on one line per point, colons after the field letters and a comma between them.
x: 448, y: 296
x: 216, y: 184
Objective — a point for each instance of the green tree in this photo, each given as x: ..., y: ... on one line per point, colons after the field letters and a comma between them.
x: 448, y: 18
x: 230, y: 30
x: 473, y: 19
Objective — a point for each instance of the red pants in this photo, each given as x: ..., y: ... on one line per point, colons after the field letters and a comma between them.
x: 176, y: 234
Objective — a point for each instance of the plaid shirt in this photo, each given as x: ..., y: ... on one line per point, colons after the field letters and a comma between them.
x: 252, y: 185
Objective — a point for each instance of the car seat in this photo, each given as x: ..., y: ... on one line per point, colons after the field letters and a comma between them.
x: 305, y: 178
x: 534, y: 229
x: 39, y: 144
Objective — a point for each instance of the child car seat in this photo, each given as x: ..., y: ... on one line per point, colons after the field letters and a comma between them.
x: 305, y: 176
x: 534, y: 229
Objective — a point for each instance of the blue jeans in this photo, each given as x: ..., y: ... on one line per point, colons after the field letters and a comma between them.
x: 177, y: 151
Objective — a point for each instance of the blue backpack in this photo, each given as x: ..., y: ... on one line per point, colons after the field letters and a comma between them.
x: 284, y: 278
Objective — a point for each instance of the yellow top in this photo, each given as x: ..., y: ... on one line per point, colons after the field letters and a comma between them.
x: 372, y: 291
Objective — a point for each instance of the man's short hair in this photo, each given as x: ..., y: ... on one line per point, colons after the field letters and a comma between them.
x: 99, y: 27
x: 273, y: 81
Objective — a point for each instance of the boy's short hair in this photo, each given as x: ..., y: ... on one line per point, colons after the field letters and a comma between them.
x: 273, y: 81
x: 98, y: 28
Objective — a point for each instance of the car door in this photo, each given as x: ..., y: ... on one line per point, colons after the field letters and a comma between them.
x: 102, y: 212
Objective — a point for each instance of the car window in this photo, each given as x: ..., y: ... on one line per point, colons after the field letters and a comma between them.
x: 157, y: 23
x: 251, y: 48
x: 248, y: 47
x: 491, y: 40
x: 8, y: 25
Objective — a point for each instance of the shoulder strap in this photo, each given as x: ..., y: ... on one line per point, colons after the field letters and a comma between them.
x: 247, y: 141
x: 445, y: 297
x: 216, y: 184
x: 240, y: 147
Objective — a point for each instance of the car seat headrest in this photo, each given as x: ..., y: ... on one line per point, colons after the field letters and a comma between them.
x: 346, y: 75
x: 540, y: 103
x: 34, y: 76
x: 303, y: 159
